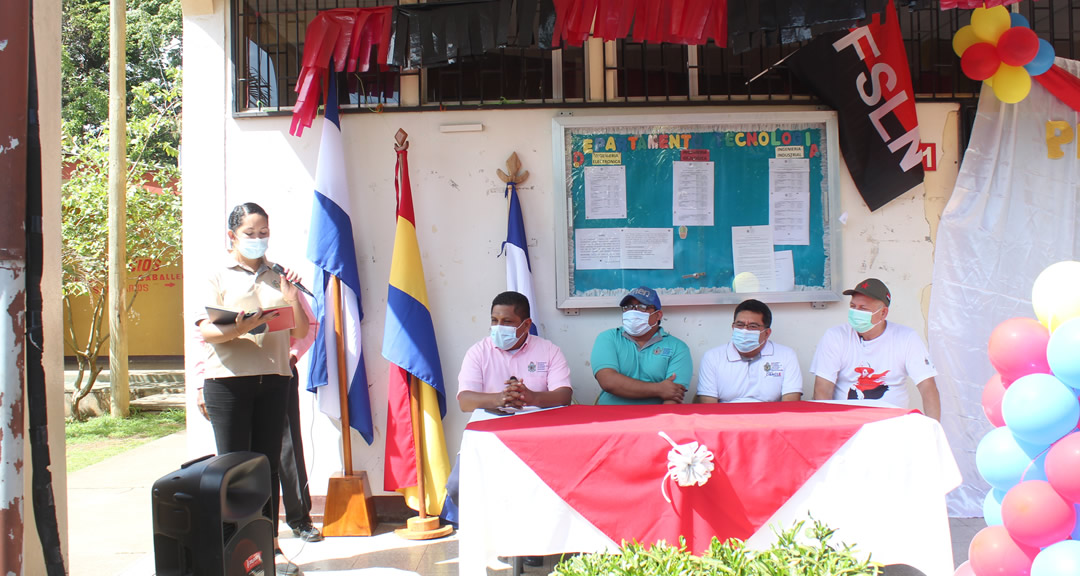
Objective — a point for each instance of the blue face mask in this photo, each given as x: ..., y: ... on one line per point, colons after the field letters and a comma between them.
x: 745, y: 340
x: 861, y: 320
x: 635, y: 323
x: 252, y: 248
x: 504, y: 337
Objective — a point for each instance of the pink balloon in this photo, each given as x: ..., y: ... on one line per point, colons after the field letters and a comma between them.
x: 1034, y: 514
x: 991, y: 400
x: 1063, y: 467
x: 1018, y: 348
x: 993, y: 553
x: 964, y: 569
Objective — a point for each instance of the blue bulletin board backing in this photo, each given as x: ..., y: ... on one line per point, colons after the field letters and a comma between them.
x: 640, y: 152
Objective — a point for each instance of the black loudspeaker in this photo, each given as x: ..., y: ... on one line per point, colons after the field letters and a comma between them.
x: 209, y: 518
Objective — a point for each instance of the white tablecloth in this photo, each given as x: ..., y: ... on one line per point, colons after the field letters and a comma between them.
x: 883, y: 491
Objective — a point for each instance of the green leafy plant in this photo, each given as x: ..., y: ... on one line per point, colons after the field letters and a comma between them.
x: 797, y: 552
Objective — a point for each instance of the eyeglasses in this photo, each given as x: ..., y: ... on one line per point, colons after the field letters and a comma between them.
x: 744, y: 326
x: 638, y: 307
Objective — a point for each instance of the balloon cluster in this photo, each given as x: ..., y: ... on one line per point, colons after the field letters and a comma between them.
x: 1000, y: 49
x: 1032, y: 459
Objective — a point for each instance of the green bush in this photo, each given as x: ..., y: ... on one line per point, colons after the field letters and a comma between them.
x: 788, y: 557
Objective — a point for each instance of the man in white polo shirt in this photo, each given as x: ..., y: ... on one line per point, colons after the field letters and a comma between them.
x: 750, y: 367
x: 512, y: 368
x: 870, y: 358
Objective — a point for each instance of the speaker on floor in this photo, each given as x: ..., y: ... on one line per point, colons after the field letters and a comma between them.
x: 210, y: 518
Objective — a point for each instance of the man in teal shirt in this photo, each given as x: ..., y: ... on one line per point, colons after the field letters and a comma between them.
x: 640, y: 363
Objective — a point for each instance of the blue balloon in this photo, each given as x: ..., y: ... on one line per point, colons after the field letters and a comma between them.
x: 1043, y: 59
x: 992, y: 507
x: 1018, y: 20
x: 1062, y: 353
x: 1040, y: 409
x: 1060, y: 559
x: 1003, y: 460
x: 1076, y: 531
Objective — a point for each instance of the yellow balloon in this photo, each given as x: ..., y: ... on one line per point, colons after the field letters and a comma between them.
x: 989, y: 23
x: 964, y: 38
x: 1055, y: 296
x: 1011, y: 83
x: 989, y: 81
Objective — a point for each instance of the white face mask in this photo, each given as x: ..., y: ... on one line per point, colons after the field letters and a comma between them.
x: 635, y: 323
x: 252, y: 248
x: 745, y: 340
x: 504, y: 337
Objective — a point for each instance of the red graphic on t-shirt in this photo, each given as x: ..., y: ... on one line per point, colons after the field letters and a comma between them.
x: 868, y: 380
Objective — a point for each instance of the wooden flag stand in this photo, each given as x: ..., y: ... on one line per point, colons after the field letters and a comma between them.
x: 513, y: 174
x: 421, y: 526
x: 350, y: 510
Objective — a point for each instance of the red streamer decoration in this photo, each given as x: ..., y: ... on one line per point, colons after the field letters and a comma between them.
x: 344, y: 35
x: 972, y: 4
x: 690, y: 22
x: 1062, y: 85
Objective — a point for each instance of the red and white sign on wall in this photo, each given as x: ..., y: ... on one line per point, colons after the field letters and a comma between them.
x: 929, y: 159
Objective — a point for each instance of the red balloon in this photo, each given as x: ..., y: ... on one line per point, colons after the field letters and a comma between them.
x: 991, y: 400
x: 1063, y: 466
x: 993, y: 553
x: 1036, y: 515
x: 980, y: 61
x: 1018, y: 348
x: 1018, y: 46
x: 964, y: 569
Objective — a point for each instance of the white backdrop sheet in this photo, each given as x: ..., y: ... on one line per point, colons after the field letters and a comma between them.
x: 1012, y: 214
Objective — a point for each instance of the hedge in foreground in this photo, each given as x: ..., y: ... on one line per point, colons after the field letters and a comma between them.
x: 788, y: 557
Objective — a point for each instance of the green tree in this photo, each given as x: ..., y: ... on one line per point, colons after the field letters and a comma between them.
x: 153, y: 220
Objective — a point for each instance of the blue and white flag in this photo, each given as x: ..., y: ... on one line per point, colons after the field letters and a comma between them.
x: 331, y: 248
x: 518, y: 270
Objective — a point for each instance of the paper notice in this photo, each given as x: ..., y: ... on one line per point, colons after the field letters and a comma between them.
x: 752, y: 251
x: 692, y: 194
x: 605, y: 192
x: 785, y: 271
x: 789, y: 200
x: 624, y: 248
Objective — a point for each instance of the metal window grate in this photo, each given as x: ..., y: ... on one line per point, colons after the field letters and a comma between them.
x: 269, y: 35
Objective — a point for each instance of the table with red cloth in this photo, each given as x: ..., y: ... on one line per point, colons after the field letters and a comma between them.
x: 585, y: 478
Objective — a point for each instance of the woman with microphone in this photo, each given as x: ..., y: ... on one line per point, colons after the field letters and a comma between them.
x: 246, y: 374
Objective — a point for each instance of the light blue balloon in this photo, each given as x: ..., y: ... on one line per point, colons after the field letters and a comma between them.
x: 1040, y: 409
x: 1043, y: 59
x: 1063, y: 353
x: 1060, y: 559
x: 992, y: 507
x: 1002, y: 460
x: 1018, y: 20
x: 1076, y: 531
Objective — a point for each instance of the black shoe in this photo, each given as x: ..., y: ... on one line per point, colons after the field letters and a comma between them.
x: 308, y: 533
x: 533, y: 560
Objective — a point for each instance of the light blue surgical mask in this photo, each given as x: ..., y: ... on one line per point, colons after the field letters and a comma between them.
x: 635, y: 323
x: 252, y: 248
x: 504, y: 337
x: 861, y: 320
x: 745, y: 340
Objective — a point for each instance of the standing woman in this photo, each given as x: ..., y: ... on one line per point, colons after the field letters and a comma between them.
x: 247, y: 374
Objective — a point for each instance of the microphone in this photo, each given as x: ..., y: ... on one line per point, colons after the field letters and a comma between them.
x: 281, y: 272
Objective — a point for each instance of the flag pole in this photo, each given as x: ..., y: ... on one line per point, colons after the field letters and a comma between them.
x: 343, y: 376
x: 421, y: 526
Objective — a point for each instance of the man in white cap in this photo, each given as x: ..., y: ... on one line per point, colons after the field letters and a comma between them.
x: 871, y: 358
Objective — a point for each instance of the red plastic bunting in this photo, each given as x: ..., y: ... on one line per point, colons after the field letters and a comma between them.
x: 1062, y: 85
x: 691, y: 22
x: 344, y: 35
x: 972, y: 4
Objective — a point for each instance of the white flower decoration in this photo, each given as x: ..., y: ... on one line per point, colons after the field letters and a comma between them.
x: 688, y: 464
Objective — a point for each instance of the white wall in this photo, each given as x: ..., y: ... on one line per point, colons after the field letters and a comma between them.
x: 461, y: 222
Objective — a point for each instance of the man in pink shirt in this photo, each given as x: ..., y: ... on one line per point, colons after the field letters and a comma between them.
x: 512, y: 368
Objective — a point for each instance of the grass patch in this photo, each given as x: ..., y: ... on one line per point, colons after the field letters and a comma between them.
x: 99, y: 438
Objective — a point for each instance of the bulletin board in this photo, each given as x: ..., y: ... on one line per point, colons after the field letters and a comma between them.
x: 681, y: 203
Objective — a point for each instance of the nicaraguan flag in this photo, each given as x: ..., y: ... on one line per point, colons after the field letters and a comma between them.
x: 518, y: 270
x: 331, y: 248
x: 409, y: 345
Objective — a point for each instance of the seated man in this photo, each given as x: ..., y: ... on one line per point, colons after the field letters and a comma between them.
x: 871, y: 358
x: 640, y: 363
x: 511, y: 368
x: 750, y: 368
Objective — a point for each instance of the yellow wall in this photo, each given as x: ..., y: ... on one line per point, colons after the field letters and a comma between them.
x: 156, y: 325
